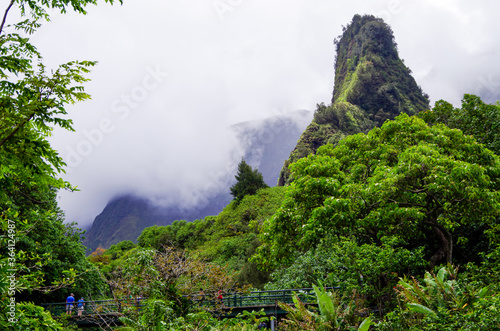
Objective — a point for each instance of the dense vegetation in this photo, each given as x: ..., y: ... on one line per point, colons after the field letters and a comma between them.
x: 403, y: 216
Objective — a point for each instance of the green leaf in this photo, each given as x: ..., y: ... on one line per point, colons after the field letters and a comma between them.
x: 483, y: 292
x: 365, y: 325
x: 418, y: 308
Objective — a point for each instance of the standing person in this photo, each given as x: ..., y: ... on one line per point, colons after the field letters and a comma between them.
x: 69, y: 303
x: 81, y: 305
x: 219, y: 297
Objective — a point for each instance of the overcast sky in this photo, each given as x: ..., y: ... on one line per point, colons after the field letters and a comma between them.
x: 173, y: 76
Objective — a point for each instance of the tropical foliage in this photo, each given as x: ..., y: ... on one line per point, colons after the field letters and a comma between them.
x: 334, y: 314
x: 440, y: 302
x: 366, y: 216
x: 368, y: 270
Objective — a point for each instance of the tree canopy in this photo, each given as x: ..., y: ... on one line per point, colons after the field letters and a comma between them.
x: 404, y: 180
x: 475, y: 118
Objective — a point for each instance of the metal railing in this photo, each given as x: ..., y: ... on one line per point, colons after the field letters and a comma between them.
x: 257, y: 298
x: 101, y: 307
x: 229, y: 300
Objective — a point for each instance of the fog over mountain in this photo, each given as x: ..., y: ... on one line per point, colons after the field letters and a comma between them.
x: 174, y: 77
x: 265, y: 143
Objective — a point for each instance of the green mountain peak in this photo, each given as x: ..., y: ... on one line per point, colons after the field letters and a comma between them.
x: 372, y: 85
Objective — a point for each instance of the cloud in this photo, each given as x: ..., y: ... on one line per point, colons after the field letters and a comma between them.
x: 173, y: 76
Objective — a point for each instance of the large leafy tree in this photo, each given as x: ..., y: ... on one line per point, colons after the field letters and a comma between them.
x: 37, y: 248
x: 248, y: 181
x: 424, y: 185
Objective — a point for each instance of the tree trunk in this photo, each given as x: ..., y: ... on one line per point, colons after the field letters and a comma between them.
x: 446, y: 249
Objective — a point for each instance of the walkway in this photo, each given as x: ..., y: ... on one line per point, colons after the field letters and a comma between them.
x: 95, y: 312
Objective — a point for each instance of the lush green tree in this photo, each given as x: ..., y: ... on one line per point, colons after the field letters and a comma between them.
x: 248, y: 181
x: 37, y: 249
x: 421, y: 184
x: 119, y: 249
x: 151, y: 235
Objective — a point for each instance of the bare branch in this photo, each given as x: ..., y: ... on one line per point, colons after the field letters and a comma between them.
x: 5, y: 15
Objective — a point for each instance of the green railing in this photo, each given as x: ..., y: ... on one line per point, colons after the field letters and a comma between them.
x: 229, y: 300
x: 98, y: 307
x: 258, y: 298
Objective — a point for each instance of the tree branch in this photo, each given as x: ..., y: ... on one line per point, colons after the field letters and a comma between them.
x: 17, y: 129
x: 406, y: 204
x: 5, y: 15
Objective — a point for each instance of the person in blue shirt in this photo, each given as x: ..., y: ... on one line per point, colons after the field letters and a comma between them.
x: 69, y: 303
x: 81, y: 305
